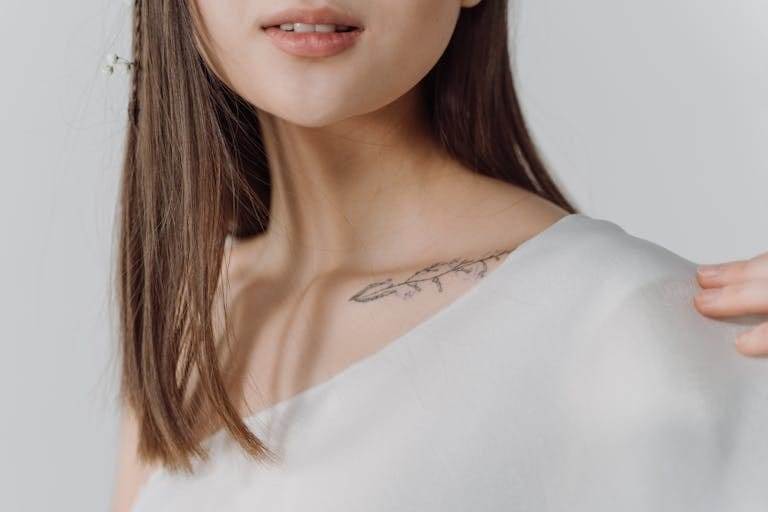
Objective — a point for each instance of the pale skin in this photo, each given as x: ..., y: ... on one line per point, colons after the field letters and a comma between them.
x: 363, y: 194
x: 741, y: 288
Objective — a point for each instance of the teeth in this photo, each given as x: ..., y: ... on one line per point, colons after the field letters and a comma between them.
x: 309, y: 27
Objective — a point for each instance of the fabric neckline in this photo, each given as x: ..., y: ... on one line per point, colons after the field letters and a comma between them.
x: 462, y: 301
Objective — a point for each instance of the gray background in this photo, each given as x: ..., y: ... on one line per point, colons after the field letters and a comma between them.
x: 651, y: 114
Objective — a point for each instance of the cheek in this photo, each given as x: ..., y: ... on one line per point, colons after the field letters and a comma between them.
x: 406, y: 48
x: 223, y: 23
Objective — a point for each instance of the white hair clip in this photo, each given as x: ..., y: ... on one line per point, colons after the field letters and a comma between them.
x: 115, y: 61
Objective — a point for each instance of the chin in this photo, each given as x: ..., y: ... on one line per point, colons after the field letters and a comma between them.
x: 309, y: 114
x: 319, y: 122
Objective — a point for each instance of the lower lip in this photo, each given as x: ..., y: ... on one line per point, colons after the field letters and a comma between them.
x: 313, y: 44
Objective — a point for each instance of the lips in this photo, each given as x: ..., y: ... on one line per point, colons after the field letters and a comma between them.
x: 313, y: 44
x: 321, y: 15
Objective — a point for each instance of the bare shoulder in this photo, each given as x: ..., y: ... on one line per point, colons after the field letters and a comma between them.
x: 521, y: 213
x: 238, y: 260
x: 242, y: 266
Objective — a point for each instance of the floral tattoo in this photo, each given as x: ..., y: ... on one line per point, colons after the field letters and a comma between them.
x: 432, y: 274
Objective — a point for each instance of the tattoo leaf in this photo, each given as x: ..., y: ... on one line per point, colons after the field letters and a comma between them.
x: 432, y: 273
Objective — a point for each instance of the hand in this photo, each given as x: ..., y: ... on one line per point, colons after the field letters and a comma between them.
x: 739, y: 288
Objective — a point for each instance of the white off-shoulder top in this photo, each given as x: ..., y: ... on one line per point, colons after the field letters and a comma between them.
x: 575, y: 376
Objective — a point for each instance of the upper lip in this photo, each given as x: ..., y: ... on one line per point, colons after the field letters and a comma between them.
x: 320, y: 15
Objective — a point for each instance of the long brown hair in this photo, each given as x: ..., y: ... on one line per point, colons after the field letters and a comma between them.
x: 195, y: 172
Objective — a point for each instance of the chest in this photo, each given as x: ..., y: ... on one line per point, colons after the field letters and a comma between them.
x: 286, y: 346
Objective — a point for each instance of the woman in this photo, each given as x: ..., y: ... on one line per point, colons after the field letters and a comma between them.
x: 347, y: 282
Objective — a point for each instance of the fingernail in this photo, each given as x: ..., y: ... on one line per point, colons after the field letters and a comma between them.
x: 709, y: 296
x: 709, y: 270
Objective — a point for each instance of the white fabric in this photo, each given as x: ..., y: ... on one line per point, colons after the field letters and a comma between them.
x: 576, y: 376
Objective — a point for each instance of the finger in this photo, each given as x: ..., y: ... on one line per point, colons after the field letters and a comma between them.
x: 731, y: 272
x: 754, y: 342
x: 745, y: 298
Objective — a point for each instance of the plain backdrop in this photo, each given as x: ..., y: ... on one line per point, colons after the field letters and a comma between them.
x: 651, y: 114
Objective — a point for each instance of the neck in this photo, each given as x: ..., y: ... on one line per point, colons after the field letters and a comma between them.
x: 366, y: 191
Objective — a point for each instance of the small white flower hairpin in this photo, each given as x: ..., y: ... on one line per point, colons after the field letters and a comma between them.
x: 115, y: 61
